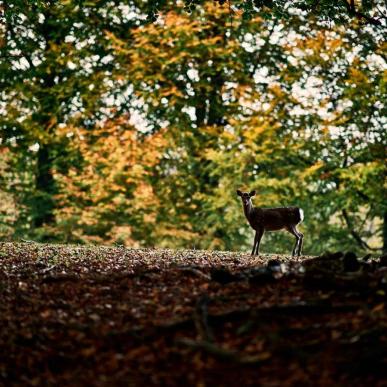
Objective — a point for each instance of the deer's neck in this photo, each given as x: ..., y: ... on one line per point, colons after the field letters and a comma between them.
x: 248, y: 209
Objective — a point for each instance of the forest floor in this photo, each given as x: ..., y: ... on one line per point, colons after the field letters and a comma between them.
x: 112, y: 316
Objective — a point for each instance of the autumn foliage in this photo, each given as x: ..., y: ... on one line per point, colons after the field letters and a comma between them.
x: 109, y: 196
x: 115, y: 129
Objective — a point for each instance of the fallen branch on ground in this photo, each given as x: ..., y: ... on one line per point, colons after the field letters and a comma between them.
x: 222, y: 353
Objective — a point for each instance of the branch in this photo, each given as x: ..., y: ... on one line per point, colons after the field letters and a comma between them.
x: 194, y: 271
x: 380, y: 11
x: 223, y: 353
x: 230, y: 12
x: 262, y: 50
x: 315, y: 5
x: 353, y: 12
x: 352, y: 5
x: 355, y: 235
x: 201, y: 319
x: 8, y: 27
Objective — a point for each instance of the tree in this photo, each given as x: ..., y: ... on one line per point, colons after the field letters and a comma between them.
x: 108, y: 197
x: 285, y: 105
x: 54, y: 63
x: 339, y: 12
x: 195, y: 75
x: 227, y: 94
x: 348, y: 134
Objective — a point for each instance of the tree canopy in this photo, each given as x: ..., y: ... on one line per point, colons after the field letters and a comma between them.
x: 135, y: 122
x: 340, y: 12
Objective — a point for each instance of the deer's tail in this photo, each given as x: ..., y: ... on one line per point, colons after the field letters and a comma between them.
x: 301, y: 214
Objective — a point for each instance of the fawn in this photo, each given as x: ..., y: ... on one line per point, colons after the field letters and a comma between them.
x: 272, y: 219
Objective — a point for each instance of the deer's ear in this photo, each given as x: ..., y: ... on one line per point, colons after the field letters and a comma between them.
x: 239, y: 193
x: 252, y: 193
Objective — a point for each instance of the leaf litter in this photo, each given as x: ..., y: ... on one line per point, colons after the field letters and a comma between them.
x: 92, y: 315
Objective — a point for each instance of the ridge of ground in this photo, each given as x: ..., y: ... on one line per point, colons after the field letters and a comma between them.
x: 95, y: 315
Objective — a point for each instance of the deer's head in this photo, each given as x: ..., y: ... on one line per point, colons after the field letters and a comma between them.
x: 246, y: 196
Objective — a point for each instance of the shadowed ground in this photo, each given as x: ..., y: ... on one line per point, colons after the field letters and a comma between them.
x: 104, y: 316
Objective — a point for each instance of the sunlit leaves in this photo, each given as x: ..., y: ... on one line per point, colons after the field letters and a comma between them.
x: 150, y: 127
x: 109, y: 196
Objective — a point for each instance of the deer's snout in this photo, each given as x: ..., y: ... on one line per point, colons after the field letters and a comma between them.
x: 245, y: 200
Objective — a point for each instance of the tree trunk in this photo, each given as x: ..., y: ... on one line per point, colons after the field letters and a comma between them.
x: 385, y: 232
x: 45, y: 189
x: 43, y: 206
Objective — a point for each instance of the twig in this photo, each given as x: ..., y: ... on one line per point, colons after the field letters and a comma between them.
x: 61, y: 278
x: 48, y: 269
x: 272, y: 311
x: 222, y: 353
x: 201, y: 319
x: 196, y: 272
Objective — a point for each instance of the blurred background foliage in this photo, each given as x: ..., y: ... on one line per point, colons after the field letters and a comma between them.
x: 134, y: 122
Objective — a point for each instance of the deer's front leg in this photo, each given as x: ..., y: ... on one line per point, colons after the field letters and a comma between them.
x: 257, y: 241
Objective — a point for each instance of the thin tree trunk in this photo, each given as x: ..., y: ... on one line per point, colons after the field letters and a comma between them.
x: 43, y: 207
x: 385, y: 232
x: 45, y: 189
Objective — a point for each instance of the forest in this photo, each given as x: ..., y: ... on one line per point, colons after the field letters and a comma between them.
x: 119, y: 129
x: 130, y: 131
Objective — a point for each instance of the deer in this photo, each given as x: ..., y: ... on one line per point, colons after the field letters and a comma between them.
x: 272, y: 219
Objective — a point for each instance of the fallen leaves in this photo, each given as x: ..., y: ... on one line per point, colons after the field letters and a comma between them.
x: 70, y: 315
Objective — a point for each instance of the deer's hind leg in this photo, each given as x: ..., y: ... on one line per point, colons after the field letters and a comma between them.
x: 299, y: 239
